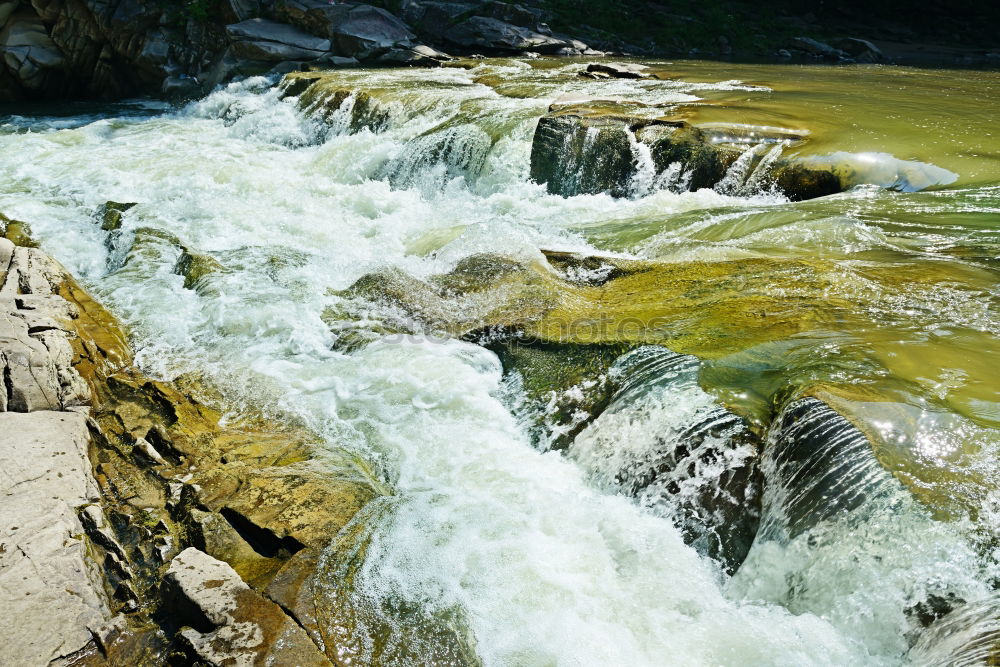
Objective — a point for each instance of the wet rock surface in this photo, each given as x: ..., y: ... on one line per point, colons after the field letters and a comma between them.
x: 110, y: 475
x: 229, y: 623
x: 601, y: 147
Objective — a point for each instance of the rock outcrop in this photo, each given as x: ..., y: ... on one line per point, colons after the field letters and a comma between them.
x: 53, y: 598
x: 226, y: 622
x: 593, y: 147
x: 58, y: 50
x: 124, y: 495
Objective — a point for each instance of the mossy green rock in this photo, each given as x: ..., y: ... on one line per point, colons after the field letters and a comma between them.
x: 594, y: 146
x: 17, y: 232
x: 322, y: 95
x: 110, y: 215
x: 196, y: 266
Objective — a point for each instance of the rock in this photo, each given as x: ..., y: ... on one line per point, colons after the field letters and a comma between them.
x: 110, y: 215
x: 591, y: 147
x: 320, y: 590
x: 228, y: 622
x: 35, y: 351
x: 687, y: 458
x: 215, y: 535
x: 969, y: 635
x: 357, y: 31
x: 195, y: 267
x: 418, y: 55
x: 269, y: 41
x: 243, y: 10
x: 861, y: 50
x: 482, y: 33
x: 17, y: 232
x: 620, y: 70
x: 821, y: 467
x: 181, y: 88
x: 28, y: 52
x: 815, y: 47
x: 52, y: 596
x: 344, y: 109
x: 289, y: 506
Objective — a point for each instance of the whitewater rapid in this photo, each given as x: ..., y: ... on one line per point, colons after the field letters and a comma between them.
x: 549, y: 567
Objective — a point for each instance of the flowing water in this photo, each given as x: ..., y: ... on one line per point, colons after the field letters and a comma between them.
x: 890, y: 312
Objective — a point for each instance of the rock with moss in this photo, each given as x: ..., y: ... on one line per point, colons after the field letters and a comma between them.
x: 17, y: 232
x: 323, y: 95
x: 110, y: 214
x: 226, y: 622
x: 195, y: 267
x: 597, y: 146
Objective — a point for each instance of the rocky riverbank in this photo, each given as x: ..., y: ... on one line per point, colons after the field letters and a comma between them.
x: 137, y: 528
x: 66, y: 50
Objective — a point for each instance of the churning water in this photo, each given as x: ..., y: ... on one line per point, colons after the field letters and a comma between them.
x: 547, y: 561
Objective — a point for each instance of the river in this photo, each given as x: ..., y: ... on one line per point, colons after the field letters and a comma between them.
x: 545, y: 563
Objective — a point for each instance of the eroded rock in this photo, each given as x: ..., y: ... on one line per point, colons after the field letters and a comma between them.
x: 229, y: 623
x: 603, y: 146
x: 53, y: 597
x: 270, y: 41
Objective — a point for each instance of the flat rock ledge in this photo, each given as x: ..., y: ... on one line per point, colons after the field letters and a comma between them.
x: 53, y: 599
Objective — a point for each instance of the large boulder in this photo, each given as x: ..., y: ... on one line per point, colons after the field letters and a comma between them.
x: 28, y: 53
x: 357, y: 31
x: 815, y: 47
x: 269, y: 41
x: 487, y: 34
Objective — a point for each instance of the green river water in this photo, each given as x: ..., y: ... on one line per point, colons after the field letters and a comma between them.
x: 883, y: 301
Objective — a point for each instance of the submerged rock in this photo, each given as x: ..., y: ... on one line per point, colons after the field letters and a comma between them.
x: 664, y: 441
x: 110, y: 214
x: 343, y: 109
x: 362, y: 625
x: 195, y: 267
x: 819, y: 467
x: 969, y: 635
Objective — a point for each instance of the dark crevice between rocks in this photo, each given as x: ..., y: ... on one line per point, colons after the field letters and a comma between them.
x: 164, y: 447
x: 8, y: 385
x: 260, y: 539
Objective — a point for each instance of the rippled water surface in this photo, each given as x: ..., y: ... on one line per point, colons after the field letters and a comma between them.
x: 889, y: 310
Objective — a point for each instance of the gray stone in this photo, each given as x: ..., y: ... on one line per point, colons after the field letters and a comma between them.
x: 35, y: 352
x: 357, y: 31
x: 247, y: 629
x: 52, y: 598
x: 270, y: 41
x: 489, y: 34
x: 620, y: 70
x: 815, y: 47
